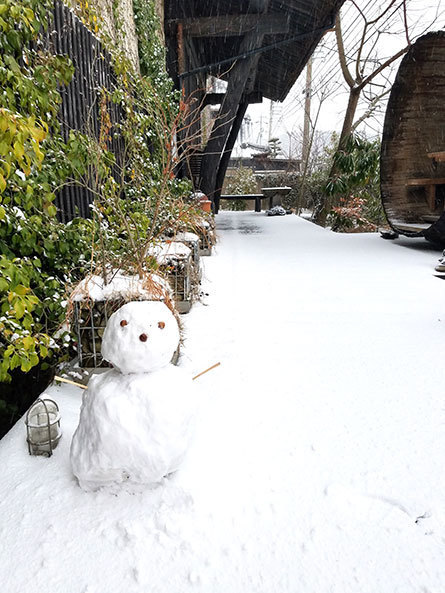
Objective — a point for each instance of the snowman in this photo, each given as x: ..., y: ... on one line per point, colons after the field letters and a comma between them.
x: 135, y: 420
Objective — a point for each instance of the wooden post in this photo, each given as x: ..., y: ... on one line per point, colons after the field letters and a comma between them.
x: 431, y: 196
x: 225, y: 157
x: 220, y: 133
x: 181, y: 53
x: 241, y: 81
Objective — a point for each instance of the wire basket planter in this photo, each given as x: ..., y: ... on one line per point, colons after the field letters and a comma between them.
x: 175, y: 263
x: 90, y: 320
x: 191, y: 240
x: 206, y: 234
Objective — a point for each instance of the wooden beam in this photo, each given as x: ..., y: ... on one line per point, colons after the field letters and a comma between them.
x: 233, y: 25
x: 223, y: 124
x: 195, y: 94
x: 225, y: 157
x: 218, y: 98
x: 241, y: 81
x: 426, y: 181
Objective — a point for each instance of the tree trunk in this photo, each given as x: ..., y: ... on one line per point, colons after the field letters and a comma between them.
x: 324, y: 209
x: 354, y: 96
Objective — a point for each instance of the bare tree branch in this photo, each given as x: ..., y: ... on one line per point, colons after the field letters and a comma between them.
x: 385, y: 64
x: 405, y: 22
x: 341, y: 53
x: 374, y: 104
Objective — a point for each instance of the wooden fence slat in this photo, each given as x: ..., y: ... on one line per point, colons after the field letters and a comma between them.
x: 80, y: 108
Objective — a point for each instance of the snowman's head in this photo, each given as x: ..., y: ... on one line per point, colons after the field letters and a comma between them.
x: 140, y: 337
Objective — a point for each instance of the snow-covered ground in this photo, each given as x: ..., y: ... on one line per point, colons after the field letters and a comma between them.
x: 317, y: 464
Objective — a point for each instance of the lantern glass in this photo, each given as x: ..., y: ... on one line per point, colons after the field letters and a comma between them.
x: 43, y: 427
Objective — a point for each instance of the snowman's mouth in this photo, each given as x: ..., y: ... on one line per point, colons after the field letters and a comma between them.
x: 143, y: 337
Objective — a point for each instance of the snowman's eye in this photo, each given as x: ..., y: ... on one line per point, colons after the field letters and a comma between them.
x: 124, y: 322
x: 161, y: 325
x: 143, y: 337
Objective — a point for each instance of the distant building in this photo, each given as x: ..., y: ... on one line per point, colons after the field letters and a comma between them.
x: 263, y: 162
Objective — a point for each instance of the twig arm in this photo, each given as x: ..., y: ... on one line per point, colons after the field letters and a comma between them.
x: 207, y: 370
x: 57, y: 378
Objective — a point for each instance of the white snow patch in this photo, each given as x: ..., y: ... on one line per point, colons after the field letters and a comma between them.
x: 17, y: 211
x: 120, y: 285
x: 169, y: 251
x: 187, y: 237
x: 316, y: 464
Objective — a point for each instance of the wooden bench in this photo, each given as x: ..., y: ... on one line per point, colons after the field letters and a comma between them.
x: 256, y: 197
x: 269, y: 193
x: 430, y: 184
x: 438, y: 156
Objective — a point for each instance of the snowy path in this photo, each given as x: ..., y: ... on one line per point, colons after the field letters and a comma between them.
x: 318, y: 460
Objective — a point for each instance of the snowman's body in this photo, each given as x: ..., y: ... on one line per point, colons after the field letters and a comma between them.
x: 135, y: 421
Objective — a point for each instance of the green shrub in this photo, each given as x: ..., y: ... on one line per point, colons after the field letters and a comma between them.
x: 135, y: 200
x: 355, y: 186
x: 241, y: 181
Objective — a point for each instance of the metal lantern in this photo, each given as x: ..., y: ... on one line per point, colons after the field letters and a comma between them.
x: 43, y: 427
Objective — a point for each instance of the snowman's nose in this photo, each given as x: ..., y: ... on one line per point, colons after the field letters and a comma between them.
x: 143, y: 337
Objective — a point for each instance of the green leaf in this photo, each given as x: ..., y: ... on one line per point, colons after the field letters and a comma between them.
x: 34, y: 359
x: 28, y: 342
x: 13, y: 39
x: 19, y: 149
x: 9, y: 61
x: 25, y: 365
x: 19, y: 308
x: 9, y: 350
x: 15, y: 362
x: 21, y: 290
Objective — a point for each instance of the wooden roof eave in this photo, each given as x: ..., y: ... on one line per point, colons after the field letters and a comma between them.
x: 305, y: 23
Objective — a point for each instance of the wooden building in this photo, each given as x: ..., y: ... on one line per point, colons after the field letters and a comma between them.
x: 413, y: 143
x: 258, y: 47
x: 265, y: 164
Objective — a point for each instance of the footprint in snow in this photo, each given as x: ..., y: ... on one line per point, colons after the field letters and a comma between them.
x: 351, y: 505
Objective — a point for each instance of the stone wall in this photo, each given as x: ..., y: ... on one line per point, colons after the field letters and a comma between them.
x: 159, y: 6
x: 117, y: 21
